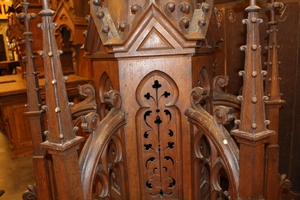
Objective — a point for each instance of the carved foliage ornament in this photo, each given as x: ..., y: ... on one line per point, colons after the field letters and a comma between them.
x: 158, y: 128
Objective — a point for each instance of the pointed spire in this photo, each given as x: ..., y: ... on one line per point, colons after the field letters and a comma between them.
x: 33, y: 89
x: 252, y: 134
x: 252, y: 118
x: 61, y: 141
x: 60, y: 126
x: 35, y: 114
x: 272, y: 83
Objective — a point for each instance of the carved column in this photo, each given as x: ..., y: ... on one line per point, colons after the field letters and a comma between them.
x: 274, y: 102
x: 35, y: 114
x: 274, y: 182
x: 252, y: 134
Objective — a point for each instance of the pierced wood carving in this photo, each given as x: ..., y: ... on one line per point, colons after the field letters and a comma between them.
x: 158, y: 128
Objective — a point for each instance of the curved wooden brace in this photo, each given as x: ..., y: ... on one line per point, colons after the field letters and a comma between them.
x: 87, y: 105
x: 102, y: 133
x: 218, y: 136
x: 220, y: 97
x: 224, y: 99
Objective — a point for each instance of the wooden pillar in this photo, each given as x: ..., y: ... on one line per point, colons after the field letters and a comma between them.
x: 66, y: 169
x: 274, y: 102
x: 35, y: 114
x: 252, y: 134
x: 252, y: 165
x: 40, y: 166
x: 273, y: 180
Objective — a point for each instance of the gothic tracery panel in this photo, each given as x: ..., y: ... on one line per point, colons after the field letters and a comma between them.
x: 109, y: 180
x: 211, y: 181
x: 159, y: 136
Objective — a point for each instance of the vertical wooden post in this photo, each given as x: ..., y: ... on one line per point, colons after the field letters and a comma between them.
x: 35, y: 113
x: 273, y: 105
x: 252, y: 133
x: 61, y: 140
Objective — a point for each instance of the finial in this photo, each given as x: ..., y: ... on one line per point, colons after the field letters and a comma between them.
x: 272, y: 85
x: 252, y: 119
x: 58, y: 113
x: 33, y: 92
x: 252, y: 7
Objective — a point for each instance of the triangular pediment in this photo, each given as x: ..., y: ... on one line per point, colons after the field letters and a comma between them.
x: 153, y: 41
x: 153, y: 35
x: 63, y: 17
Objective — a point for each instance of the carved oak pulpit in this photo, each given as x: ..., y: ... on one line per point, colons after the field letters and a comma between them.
x: 157, y: 133
x: 154, y: 53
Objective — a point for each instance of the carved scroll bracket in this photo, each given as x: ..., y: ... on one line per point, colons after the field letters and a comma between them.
x: 30, y: 193
x: 220, y: 97
x: 103, y: 139
x: 223, y: 115
x: 88, y: 104
x: 285, y: 184
x: 221, y: 151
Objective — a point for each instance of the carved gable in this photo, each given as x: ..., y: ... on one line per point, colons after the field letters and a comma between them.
x: 65, y: 18
x: 154, y: 40
x: 157, y: 34
x: 153, y: 28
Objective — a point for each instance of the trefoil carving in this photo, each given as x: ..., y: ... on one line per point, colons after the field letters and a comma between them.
x: 158, y: 135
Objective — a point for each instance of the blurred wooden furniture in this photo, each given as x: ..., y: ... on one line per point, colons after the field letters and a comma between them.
x: 8, y: 67
x: 1, y: 192
x: 13, y: 98
x: 70, y: 17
